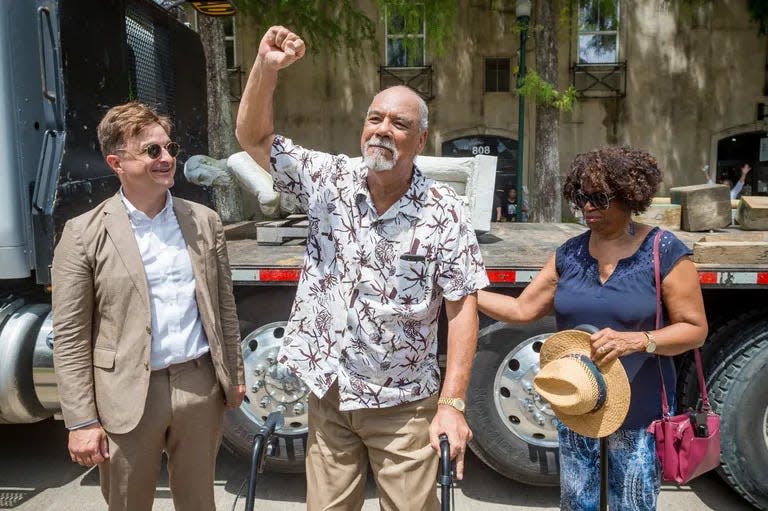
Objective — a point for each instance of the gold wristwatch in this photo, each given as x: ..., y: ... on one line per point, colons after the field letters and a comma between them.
x: 650, y: 346
x: 455, y: 402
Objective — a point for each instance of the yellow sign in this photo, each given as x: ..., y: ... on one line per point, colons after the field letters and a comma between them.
x: 215, y: 7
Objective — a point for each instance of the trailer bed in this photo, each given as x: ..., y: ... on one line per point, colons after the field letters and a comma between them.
x: 507, y: 245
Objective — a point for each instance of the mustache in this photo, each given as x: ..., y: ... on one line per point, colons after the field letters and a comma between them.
x: 381, y: 141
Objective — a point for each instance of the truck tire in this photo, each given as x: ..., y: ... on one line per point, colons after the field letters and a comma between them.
x: 269, y: 387
x: 721, y: 346
x: 738, y: 394
x: 513, y: 428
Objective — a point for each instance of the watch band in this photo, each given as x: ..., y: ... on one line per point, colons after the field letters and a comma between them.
x: 454, y: 402
x: 650, y: 345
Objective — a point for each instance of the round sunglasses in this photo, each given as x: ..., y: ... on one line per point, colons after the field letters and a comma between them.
x: 155, y: 150
x: 599, y: 200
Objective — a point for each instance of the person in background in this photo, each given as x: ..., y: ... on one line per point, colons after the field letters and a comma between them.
x: 510, y: 205
x: 497, y: 213
x: 735, y: 190
x: 605, y: 278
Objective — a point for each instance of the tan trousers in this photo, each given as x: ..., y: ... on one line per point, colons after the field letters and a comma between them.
x: 183, y: 416
x: 395, y: 441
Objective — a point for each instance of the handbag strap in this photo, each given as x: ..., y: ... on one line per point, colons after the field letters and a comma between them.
x: 696, y: 352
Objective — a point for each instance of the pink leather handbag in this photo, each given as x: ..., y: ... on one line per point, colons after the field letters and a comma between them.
x: 688, y: 444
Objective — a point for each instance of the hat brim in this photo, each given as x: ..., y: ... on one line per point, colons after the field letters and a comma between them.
x: 610, y: 417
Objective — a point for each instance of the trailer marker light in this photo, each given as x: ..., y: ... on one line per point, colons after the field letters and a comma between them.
x: 277, y: 275
x: 708, y: 277
x: 762, y: 277
x: 502, y: 276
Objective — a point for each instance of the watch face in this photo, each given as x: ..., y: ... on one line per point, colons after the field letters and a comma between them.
x: 459, y: 404
x: 651, y: 347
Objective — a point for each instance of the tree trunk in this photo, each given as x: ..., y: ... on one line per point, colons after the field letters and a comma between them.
x: 547, y: 200
x: 221, y: 130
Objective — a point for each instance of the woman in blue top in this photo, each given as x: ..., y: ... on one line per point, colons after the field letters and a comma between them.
x: 605, y: 277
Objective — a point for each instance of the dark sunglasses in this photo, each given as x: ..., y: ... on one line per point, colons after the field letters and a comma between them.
x: 155, y: 150
x: 599, y: 200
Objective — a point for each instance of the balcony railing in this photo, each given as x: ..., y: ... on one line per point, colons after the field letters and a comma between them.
x: 600, y: 80
x: 417, y: 78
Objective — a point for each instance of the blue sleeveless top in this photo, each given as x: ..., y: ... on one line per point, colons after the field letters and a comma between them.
x: 626, y: 302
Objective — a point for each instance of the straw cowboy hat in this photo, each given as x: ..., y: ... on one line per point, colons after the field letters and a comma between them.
x: 591, y: 400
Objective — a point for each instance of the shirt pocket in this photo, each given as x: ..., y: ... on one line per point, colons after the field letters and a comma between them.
x: 412, y: 280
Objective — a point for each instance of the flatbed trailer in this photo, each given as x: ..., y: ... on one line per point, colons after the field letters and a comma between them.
x: 514, y: 431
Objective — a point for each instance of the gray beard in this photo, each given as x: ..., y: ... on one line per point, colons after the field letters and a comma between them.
x: 378, y: 163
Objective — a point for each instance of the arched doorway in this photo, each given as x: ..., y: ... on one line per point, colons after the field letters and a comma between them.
x: 505, y: 149
x: 735, y: 150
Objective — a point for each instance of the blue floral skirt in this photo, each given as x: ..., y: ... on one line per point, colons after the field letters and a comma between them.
x: 634, y: 474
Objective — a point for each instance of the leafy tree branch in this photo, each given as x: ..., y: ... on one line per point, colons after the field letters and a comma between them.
x: 540, y: 90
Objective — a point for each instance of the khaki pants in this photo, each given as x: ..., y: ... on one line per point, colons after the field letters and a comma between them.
x: 395, y: 441
x: 183, y: 416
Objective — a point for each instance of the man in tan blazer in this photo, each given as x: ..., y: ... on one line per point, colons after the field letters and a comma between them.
x: 147, y: 344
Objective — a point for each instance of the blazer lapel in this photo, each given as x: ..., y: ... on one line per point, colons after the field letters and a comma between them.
x: 193, y: 237
x: 121, y: 233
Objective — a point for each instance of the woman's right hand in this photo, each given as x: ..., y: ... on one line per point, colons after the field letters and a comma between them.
x: 609, y: 344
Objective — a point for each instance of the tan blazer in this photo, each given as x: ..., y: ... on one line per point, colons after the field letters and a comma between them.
x: 101, y: 316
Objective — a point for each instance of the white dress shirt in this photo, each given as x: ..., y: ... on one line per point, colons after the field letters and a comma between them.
x: 177, y: 333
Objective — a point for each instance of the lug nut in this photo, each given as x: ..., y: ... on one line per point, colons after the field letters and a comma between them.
x: 271, y: 360
x: 298, y: 408
x: 264, y: 402
x: 281, y: 408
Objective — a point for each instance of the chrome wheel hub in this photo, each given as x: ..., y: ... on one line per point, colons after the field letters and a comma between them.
x: 518, y: 404
x: 271, y: 386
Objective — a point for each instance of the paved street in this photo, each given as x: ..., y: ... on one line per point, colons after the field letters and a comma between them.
x: 36, y: 474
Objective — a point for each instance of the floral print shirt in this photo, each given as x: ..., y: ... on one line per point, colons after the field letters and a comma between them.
x: 371, y: 286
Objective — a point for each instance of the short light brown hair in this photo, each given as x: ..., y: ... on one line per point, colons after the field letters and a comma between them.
x: 631, y: 175
x: 124, y: 121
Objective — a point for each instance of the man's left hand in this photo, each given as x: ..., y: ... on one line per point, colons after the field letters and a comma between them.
x: 239, y: 392
x: 450, y: 421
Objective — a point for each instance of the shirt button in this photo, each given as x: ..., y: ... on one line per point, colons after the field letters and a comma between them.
x: 149, y: 330
x: 146, y: 366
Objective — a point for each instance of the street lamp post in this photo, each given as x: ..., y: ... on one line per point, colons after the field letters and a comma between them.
x: 523, y: 13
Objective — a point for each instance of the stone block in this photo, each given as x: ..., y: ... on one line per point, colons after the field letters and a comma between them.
x: 703, y: 207
x: 752, y: 213
x: 663, y: 215
x: 730, y: 252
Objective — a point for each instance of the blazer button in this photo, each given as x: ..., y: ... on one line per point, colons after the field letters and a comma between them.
x: 149, y: 330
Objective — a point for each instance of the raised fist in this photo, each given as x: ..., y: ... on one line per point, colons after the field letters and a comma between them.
x: 280, y: 48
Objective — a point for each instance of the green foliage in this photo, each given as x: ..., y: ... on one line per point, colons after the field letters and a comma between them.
x: 533, y: 86
x: 341, y: 25
x: 439, y: 17
x: 336, y: 26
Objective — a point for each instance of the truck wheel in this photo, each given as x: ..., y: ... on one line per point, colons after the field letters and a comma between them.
x: 721, y: 346
x: 269, y: 387
x: 513, y: 428
x: 738, y: 394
